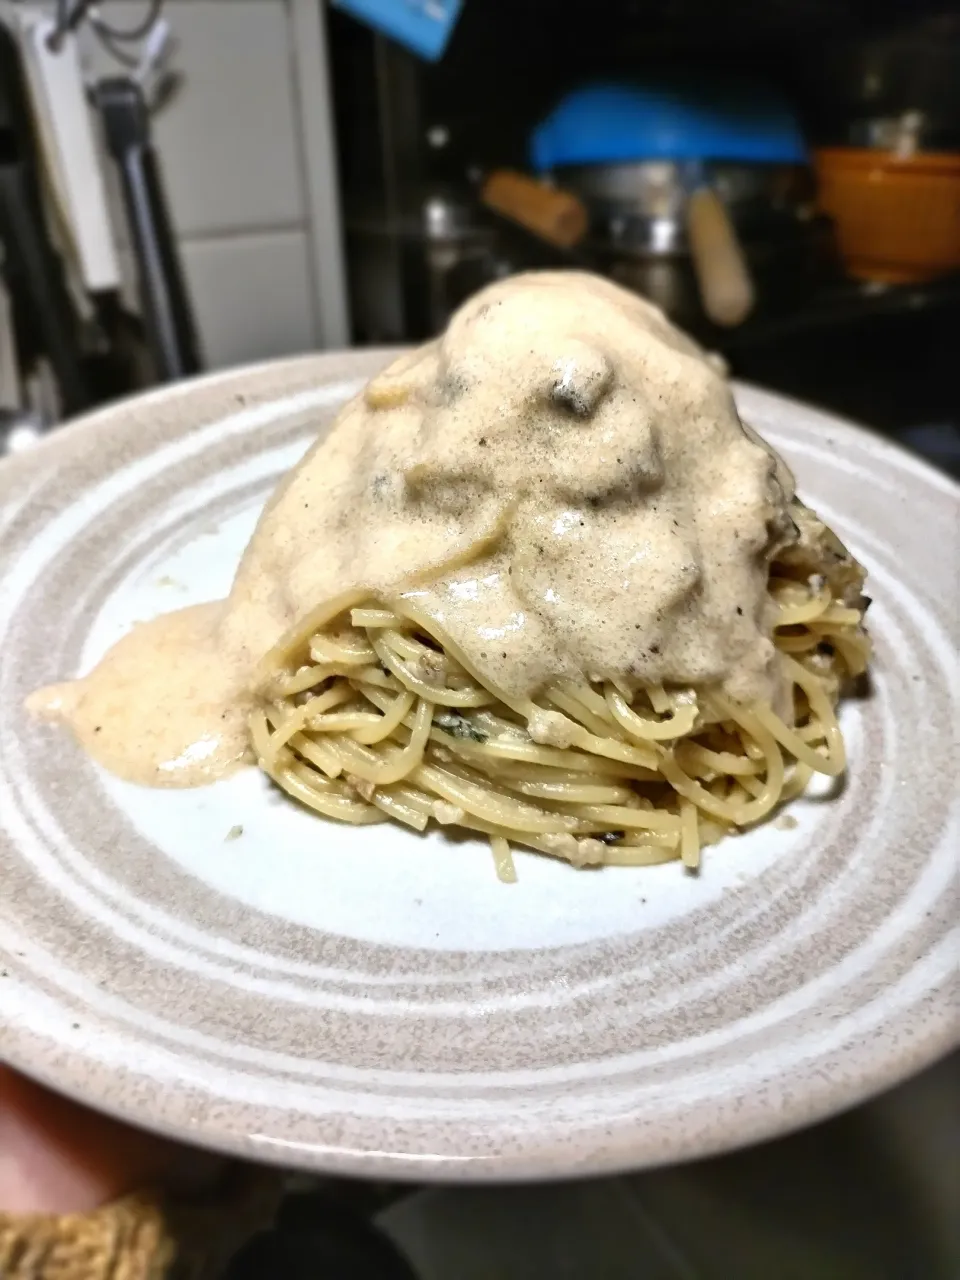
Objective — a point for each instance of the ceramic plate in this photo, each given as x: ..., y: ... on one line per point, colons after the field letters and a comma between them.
x: 226, y: 968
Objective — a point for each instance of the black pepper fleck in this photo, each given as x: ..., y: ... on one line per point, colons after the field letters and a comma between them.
x: 739, y: 611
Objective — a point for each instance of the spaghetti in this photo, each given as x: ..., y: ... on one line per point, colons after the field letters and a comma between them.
x: 368, y: 712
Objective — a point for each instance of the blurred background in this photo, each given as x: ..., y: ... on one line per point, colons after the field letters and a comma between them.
x: 193, y: 184
x: 187, y: 185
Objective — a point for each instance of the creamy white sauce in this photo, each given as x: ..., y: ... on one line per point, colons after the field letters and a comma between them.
x: 635, y: 520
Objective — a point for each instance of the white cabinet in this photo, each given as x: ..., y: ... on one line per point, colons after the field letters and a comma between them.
x: 251, y: 295
x: 248, y: 161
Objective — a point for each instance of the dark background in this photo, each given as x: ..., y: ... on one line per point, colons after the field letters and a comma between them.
x: 883, y: 356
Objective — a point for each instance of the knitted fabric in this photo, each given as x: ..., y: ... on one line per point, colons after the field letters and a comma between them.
x: 144, y: 1236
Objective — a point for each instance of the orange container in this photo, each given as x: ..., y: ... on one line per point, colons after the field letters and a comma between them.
x: 897, y: 218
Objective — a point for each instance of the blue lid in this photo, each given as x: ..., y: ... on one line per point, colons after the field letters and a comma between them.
x: 685, y: 119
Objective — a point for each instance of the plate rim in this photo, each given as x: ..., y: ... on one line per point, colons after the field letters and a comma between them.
x: 628, y: 1147
x: 622, y: 1154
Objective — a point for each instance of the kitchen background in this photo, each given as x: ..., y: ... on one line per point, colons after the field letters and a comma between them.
x: 327, y: 185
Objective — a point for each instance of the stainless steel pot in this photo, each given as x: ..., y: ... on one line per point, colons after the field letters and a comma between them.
x: 642, y: 207
x: 648, y: 231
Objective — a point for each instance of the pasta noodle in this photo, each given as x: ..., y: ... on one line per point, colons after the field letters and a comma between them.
x: 368, y: 712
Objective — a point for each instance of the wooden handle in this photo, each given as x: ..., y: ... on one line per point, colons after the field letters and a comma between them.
x: 726, y: 289
x: 555, y: 216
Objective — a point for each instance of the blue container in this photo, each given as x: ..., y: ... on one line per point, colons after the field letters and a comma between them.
x: 680, y: 119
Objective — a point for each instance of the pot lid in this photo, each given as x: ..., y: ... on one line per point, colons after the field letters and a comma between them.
x: 674, y: 118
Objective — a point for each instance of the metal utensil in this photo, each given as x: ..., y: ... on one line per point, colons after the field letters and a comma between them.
x: 168, y: 316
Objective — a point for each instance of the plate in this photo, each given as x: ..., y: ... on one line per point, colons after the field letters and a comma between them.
x: 223, y: 967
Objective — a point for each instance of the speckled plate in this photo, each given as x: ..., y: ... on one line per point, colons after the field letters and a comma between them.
x: 368, y: 1001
